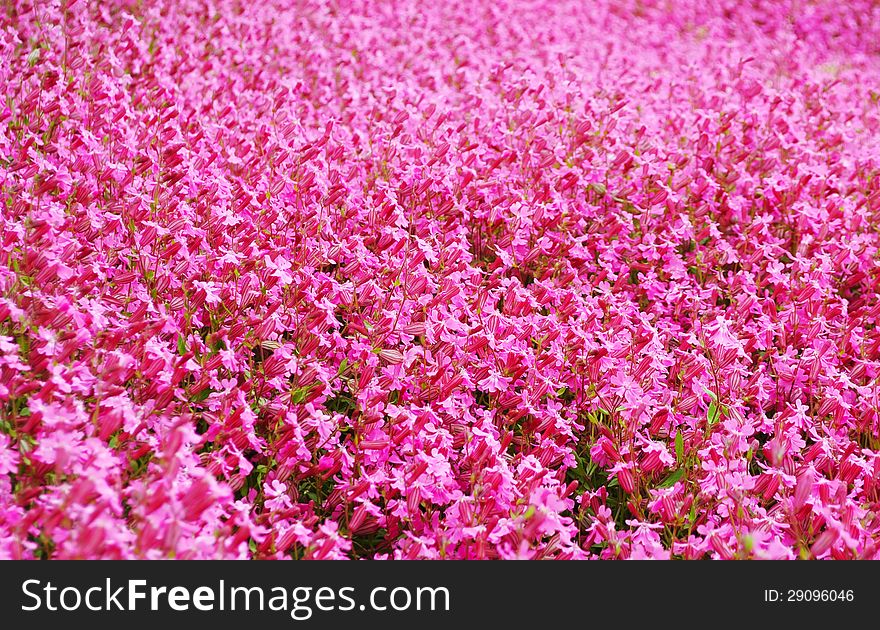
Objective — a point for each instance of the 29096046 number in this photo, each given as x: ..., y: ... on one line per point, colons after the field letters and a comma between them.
x: 809, y: 595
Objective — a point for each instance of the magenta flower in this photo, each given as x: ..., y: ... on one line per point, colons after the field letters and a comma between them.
x: 460, y: 280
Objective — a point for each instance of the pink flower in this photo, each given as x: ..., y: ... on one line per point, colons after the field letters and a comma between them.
x: 505, y: 295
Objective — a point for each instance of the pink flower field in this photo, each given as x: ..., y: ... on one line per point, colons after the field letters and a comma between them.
x: 333, y: 279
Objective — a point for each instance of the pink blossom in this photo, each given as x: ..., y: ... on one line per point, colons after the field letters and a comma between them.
x: 454, y: 280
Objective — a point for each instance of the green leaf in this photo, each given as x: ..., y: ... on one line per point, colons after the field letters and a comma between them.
x: 679, y: 447
x: 181, y: 344
x: 714, y: 414
x: 202, y: 395
x: 299, y: 395
x: 672, y: 478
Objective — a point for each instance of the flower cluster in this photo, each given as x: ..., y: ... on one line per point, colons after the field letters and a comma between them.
x: 463, y: 279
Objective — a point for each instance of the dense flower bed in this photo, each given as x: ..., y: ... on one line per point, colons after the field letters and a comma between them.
x: 455, y: 279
